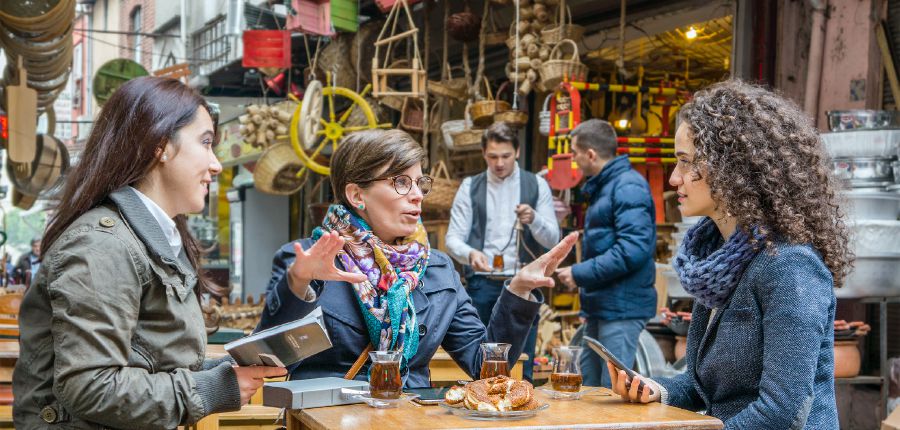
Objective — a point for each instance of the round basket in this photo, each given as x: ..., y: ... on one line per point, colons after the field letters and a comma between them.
x: 467, y: 140
x: 482, y: 112
x: 453, y: 88
x: 276, y: 171
x: 565, y: 30
x: 512, y: 117
x: 556, y: 69
x: 443, y: 189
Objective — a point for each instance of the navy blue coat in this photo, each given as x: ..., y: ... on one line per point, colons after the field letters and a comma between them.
x: 617, y: 273
x: 766, y: 361
x: 443, y: 308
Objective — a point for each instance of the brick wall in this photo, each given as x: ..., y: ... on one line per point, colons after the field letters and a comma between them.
x: 148, y: 22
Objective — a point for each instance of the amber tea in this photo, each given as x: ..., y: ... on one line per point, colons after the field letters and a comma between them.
x: 384, y: 378
x: 492, y: 368
x: 569, y: 382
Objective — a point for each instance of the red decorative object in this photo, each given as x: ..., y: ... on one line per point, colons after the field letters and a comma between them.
x: 267, y: 48
x: 386, y: 5
x: 313, y: 17
x: 4, y: 127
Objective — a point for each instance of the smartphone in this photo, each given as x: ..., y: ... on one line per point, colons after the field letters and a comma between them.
x: 608, y: 356
x: 428, y: 396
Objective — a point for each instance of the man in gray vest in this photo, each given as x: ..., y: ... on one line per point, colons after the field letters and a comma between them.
x: 486, y: 212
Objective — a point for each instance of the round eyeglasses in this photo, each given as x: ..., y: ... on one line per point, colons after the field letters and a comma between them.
x: 403, y: 183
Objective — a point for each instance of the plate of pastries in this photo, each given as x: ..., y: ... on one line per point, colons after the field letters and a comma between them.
x: 495, y: 398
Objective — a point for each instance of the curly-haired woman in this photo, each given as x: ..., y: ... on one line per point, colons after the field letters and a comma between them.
x: 761, y: 265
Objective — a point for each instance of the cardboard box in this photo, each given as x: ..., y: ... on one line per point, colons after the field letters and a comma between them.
x: 893, y: 421
x: 310, y: 393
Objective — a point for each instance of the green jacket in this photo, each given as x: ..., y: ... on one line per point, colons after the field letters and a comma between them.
x: 112, y: 335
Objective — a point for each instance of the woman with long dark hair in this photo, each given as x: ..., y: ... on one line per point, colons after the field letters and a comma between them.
x: 761, y: 265
x: 112, y: 333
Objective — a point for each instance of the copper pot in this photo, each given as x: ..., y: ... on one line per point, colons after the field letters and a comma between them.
x: 846, y: 358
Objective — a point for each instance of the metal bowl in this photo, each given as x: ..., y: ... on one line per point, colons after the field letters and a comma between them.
x: 876, y: 237
x: 862, y: 143
x: 872, y: 205
x: 872, y: 276
x: 841, y: 120
x: 863, y: 169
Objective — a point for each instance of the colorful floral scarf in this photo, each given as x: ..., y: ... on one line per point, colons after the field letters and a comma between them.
x: 393, y: 271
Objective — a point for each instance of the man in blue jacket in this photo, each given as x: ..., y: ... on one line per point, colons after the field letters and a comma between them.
x: 617, y: 273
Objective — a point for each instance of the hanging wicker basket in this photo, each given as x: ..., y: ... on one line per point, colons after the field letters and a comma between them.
x: 452, y: 88
x: 513, y: 117
x: 412, y: 115
x: 482, y: 112
x: 557, y: 69
x: 467, y: 140
x: 276, y: 171
x: 555, y: 34
x: 443, y: 189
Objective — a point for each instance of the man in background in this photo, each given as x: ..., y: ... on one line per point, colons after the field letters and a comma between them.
x: 483, y: 220
x: 617, y: 273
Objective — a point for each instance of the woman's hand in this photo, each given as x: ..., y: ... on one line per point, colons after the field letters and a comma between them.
x: 537, y: 273
x: 317, y: 262
x: 251, y: 378
x: 628, y: 387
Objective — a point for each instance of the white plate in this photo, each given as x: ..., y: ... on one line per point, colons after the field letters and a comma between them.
x: 493, y: 415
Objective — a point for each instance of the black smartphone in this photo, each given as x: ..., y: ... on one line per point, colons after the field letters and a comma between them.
x: 428, y: 396
x: 608, y: 356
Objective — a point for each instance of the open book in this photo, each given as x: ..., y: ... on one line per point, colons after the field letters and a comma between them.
x: 282, y: 345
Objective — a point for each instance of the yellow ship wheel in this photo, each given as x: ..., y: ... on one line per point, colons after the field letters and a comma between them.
x: 330, y: 133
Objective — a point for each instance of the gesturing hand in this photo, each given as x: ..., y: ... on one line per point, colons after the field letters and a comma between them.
x: 537, y: 273
x: 317, y: 262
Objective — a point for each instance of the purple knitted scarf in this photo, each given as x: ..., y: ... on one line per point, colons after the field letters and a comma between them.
x: 711, y: 272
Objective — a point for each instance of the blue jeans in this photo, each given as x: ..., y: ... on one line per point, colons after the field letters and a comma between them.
x: 484, y: 293
x: 619, y: 336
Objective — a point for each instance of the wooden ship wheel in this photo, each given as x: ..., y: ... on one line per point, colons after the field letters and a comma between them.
x: 321, y: 122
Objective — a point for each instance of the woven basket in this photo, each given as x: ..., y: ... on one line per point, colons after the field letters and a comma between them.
x: 412, y: 115
x: 453, y: 88
x: 443, y: 189
x: 482, y: 112
x: 557, y: 69
x: 513, y: 118
x: 495, y: 35
x: 467, y: 140
x: 276, y: 171
x: 564, y: 30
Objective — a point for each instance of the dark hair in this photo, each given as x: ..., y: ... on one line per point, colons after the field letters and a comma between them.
x: 137, y: 121
x: 765, y: 164
x: 35, y: 239
x: 598, y: 135
x: 500, y: 132
x: 372, y: 154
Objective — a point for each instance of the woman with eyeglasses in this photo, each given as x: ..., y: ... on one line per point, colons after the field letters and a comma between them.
x: 380, y: 285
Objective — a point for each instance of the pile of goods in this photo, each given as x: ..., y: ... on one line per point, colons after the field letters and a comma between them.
x: 262, y: 124
x: 496, y: 394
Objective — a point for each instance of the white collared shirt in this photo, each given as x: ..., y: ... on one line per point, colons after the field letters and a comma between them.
x: 503, y: 195
x: 166, y: 223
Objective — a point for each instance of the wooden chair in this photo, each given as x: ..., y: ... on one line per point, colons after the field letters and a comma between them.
x: 9, y: 317
x: 9, y: 332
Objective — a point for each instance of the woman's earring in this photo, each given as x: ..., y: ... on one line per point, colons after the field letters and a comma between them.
x: 361, y: 206
x: 165, y: 157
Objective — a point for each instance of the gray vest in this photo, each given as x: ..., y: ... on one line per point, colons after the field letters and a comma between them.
x: 478, y: 195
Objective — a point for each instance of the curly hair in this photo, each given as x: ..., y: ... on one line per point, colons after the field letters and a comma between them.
x: 766, y: 166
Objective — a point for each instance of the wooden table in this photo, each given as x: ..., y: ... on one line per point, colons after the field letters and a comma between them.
x: 597, y: 410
